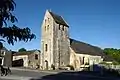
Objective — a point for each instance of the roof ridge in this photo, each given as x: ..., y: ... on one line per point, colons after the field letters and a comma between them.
x: 58, y: 18
x: 82, y: 47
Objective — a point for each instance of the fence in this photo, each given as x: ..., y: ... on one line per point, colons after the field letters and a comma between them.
x: 115, y: 67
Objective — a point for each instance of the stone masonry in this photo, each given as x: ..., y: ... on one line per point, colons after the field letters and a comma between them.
x: 59, y: 50
x: 55, y: 42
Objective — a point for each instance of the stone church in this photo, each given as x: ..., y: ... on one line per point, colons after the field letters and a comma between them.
x: 60, y: 50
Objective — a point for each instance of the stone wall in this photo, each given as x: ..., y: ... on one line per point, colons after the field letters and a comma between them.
x: 8, y: 59
x: 24, y: 57
x: 74, y: 59
x: 77, y: 61
x: 33, y: 62
x: 59, y: 53
x: 61, y: 45
x: 57, y: 43
x: 47, y: 38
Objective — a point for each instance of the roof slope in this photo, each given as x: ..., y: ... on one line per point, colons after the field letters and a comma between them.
x: 58, y: 19
x: 84, y: 48
x: 24, y: 53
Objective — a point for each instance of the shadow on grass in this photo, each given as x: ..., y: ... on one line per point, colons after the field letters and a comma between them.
x: 101, y: 74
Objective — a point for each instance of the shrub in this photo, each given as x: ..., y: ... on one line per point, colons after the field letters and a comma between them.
x: 53, y: 67
x: 71, y: 67
x: 115, y: 63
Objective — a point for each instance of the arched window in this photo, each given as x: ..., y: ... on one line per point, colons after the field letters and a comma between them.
x: 83, y: 60
x: 48, y: 19
x: 36, y: 56
x: 45, y: 28
x: 46, y: 48
x: 63, y: 27
x: 45, y: 25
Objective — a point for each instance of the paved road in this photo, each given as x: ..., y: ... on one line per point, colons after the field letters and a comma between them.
x: 26, y: 74
x: 19, y: 74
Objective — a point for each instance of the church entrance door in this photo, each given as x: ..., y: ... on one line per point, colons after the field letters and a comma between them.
x: 46, y: 64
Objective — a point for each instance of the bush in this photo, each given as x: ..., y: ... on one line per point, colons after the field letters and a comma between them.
x: 103, y: 62
x: 53, y: 67
x: 71, y: 67
x: 115, y: 63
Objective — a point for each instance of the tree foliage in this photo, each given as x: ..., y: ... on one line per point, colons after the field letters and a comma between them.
x: 11, y: 32
x: 22, y: 49
x: 115, y: 53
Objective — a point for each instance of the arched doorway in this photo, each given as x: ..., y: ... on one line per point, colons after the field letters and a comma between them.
x: 46, y: 64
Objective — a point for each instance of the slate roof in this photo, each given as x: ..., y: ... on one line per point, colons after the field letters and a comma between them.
x: 4, y: 49
x: 13, y: 52
x: 24, y: 52
x: 58, y: 19
x: 84, y: 48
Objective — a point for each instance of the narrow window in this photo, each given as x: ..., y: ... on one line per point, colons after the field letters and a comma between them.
x: 45, y: 28
x: 45, y: 21
x: 36, y: 56
x: 45, y: 47
x: 83, y: 60
x: 48, y: 19
x: 63, y: 28
x: 59, y: 26
x: 45, y: 24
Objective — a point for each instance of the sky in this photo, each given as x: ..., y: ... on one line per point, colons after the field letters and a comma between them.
x: 96, y: 22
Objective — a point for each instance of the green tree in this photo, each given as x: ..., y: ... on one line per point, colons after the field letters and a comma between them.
x: 11, y: 33
x: 114, y: 53
x: 22, y: 49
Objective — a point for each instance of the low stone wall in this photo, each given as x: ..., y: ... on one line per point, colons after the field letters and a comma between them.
x: 115, y: 67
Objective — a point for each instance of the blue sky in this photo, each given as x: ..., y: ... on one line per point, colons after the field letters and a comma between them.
x: 96, y: 22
